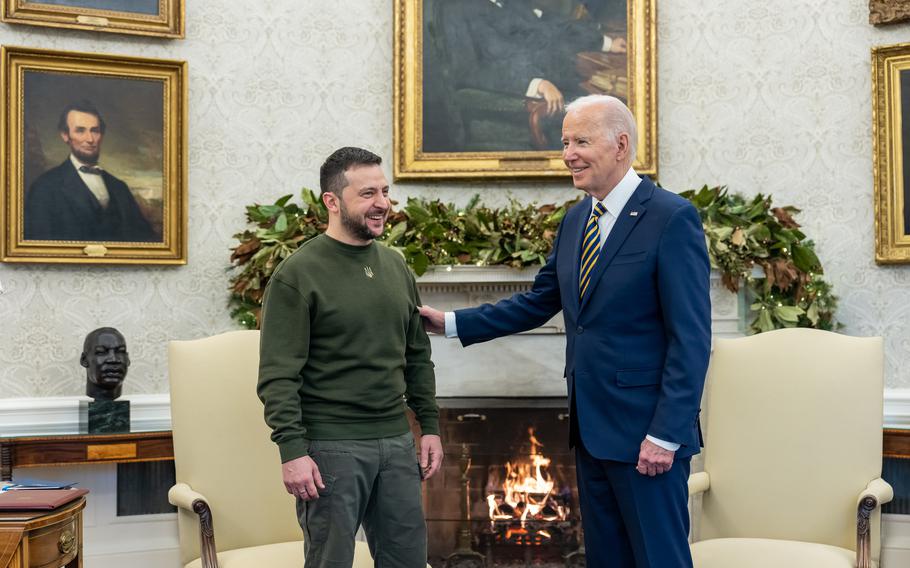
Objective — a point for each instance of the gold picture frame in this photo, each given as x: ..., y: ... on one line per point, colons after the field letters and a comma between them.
x: 886, y: 12
x: 126, y: 118
x: 891, y: 152
x: 447, y: 104
x: 161, y: 18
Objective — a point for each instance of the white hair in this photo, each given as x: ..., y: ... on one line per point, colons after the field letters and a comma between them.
x: 615, y: 117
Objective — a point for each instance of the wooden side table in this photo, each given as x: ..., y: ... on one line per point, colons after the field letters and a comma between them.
x: 896, y: 443
x: 42, y: 539
x: 76, y: 449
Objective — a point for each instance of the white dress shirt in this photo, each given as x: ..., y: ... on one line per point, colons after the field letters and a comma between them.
x: 614, y: 202
x: 94, y: 182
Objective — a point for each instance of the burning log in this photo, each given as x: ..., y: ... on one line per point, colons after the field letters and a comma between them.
x: 526, y: 500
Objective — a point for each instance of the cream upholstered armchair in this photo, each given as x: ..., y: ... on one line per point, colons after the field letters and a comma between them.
x: 228, y: 471
x: 793, y: 453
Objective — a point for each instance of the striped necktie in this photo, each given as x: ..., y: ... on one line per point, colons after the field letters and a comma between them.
x: 590, y: 249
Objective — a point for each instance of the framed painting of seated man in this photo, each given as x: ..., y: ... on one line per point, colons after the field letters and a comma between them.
x: 97, y: 152
x: 481, y: 85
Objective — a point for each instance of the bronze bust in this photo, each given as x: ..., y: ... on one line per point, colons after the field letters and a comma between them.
x: 106, y: 361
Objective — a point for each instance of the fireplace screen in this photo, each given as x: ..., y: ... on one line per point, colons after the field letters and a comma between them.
x: 506, y: 495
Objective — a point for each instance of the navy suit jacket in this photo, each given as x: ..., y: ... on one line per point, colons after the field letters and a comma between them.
x: 637, y: 347
x: 59, y: 206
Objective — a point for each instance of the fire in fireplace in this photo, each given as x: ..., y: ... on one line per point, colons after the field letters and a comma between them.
x: 507, y: 494
x: 526, y: 507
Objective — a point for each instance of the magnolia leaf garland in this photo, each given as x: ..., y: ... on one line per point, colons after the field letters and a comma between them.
x: 741, y: 234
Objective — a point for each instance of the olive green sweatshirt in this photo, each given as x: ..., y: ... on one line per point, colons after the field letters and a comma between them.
x: 343, y: 348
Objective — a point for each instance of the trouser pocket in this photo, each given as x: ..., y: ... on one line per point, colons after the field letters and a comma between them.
x: 315, y: 516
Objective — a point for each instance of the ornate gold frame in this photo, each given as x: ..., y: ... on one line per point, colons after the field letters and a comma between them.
x: 168, y: 23
x: 411, y: 162
x: 173, y: 74
x: 888, y: 11
x: 892, y: 241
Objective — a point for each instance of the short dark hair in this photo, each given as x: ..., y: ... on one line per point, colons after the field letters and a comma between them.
x: 331, y: 174
x: 85, y: 106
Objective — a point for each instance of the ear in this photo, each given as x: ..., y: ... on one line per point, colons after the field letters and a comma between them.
x: 83, y: 360
x: 330, y: 200
x: 65, y: 137
x: 622, y: 146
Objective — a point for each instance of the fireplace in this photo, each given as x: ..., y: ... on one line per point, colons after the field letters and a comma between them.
x: 506, y: 495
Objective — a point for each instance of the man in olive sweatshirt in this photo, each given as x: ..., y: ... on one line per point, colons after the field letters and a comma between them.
x: 343, y: 352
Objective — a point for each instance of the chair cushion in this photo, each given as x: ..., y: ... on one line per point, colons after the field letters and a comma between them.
x: 762, y: 553
x: 281, y: 555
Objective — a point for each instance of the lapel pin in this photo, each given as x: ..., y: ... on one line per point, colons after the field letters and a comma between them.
x: 633, y: 214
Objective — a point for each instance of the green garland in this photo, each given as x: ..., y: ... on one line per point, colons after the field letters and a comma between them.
x: 741, y: 234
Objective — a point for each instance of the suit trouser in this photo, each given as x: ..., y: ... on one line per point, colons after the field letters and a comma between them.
x: 633, y: 520
x: 375, y: 483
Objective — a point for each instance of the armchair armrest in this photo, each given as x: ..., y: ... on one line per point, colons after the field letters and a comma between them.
x: 878, y: 489
x: 699, y: 483
x: 182, y: 495
x: 877, y: 493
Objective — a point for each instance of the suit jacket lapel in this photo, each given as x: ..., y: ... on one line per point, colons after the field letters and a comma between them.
x: 575, y: 234
x: 77, y: 193
x: 629, y: 217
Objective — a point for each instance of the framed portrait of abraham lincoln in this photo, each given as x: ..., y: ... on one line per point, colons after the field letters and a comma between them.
x: 481, y: 85
x: 96, y: 152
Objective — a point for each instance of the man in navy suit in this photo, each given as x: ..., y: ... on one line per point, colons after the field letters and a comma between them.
x: 629, y: 270
x: 78, y: 200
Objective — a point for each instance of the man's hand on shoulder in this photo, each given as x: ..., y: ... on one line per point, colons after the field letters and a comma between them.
x: 653, y: 460
x: 302, y: 478
x: 434, y: 321
x: 430, y: 455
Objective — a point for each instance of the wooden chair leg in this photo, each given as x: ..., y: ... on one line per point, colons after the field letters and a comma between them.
x: 863, y: 536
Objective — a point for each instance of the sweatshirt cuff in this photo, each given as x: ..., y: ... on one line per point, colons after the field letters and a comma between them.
x: 293, y: 449
x: 430, y: 426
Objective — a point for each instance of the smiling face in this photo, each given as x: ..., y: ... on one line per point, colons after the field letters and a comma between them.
x: 596, y: 160
x: 83, y: 136
x: 359, y: 214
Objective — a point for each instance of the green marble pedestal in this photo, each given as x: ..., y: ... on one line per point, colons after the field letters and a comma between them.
x: 104, y: 416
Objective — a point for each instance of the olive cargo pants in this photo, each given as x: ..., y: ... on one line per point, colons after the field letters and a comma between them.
x: 375, y: 483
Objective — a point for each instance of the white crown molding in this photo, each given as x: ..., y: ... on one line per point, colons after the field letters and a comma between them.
x: 60, y: 415
x: 150, y: 412
x: 897, y: 408
x: 469, y: 274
